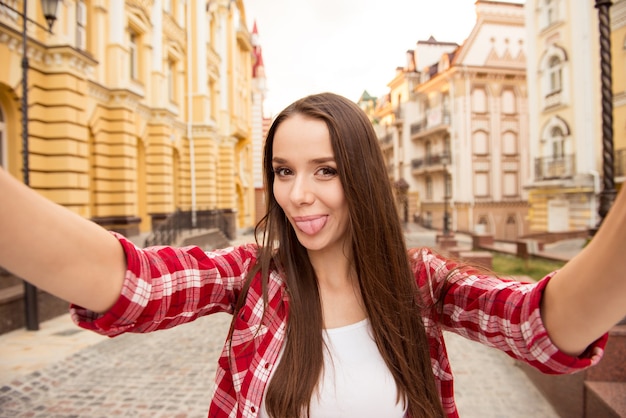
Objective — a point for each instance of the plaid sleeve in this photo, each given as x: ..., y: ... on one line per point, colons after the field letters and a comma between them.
x: 500, y: 313
x: 166, y: 286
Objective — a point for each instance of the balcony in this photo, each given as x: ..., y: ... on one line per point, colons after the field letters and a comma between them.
x: 548, y: 168
x: 435, y: 120
x: 428, y: 164
x: 386, y: 141
x: 397, y: 113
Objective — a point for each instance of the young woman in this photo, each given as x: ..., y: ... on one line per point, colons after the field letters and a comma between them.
x: 331, y: 315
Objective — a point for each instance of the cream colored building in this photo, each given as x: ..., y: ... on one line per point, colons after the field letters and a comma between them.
x: 137, y: 108
x: 467, y: 103
x: 565, y: 118
x: 618, y: 54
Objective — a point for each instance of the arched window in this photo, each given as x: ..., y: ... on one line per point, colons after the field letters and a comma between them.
x: 508, y: 102
x: 555, y: 74
x: 557, y: 138
x: 479, y: 100
x: 480, y: 143
x: 509, y: 143
x: 553, y: 68
x: 556, y: 159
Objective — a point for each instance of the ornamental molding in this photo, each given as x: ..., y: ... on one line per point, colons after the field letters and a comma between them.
x: 145, y: 6
x: 173, y: 32
x: 48, y: 58
x: 618, y: 15
x: 619, y: 99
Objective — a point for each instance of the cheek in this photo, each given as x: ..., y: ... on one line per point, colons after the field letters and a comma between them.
x: 279, y: 193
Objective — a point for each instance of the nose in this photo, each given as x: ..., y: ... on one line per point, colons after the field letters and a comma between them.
x: 301, y: 191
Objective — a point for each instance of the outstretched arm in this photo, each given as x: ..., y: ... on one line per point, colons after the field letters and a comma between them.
x: 588, y: 295
x: 57, y: 250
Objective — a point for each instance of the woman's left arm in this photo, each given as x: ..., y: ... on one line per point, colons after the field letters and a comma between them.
x: 588, y: 295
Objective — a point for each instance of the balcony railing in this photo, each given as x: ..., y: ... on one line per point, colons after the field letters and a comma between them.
x: 168, y: 231
x: 418, y: 127
x: 428, y: 161
x: 434, y: 118
x: 547, y: 168
x: 386, y: 140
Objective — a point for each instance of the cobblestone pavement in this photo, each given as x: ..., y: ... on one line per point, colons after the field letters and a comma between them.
x: 170, y: 373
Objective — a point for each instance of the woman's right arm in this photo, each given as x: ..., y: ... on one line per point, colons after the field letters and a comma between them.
x: 57, y: 250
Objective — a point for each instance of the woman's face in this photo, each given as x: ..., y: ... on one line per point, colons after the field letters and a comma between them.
x: 306, y: 183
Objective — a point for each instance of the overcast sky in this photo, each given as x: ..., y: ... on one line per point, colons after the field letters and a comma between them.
x: 347, y: 46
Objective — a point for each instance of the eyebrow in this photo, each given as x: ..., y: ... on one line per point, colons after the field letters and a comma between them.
x: 322, y: 160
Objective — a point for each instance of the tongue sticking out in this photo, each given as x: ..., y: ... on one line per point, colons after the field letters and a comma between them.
x: 312, y: 226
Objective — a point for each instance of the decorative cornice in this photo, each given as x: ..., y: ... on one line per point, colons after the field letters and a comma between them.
x: 619, y: 99
x: 618, y: 15
x: 145, y: 6
x: 48, y: 57
x: 173, y: 32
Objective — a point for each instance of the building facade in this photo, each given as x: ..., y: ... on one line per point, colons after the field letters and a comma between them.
x: 260, y: 123
x: 454, y: 127
x: 565, y: 121
x: 618, y: 55
x: 137, y: 108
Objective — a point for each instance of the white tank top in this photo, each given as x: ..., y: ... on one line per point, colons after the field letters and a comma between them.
x: 356, y: 381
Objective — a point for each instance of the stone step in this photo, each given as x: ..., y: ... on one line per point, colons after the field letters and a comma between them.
x: 605, y: 399
x: 612, y: 367
x: 569, y: 394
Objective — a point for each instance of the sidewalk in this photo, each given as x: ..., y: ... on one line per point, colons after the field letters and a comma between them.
x: 63, y: 371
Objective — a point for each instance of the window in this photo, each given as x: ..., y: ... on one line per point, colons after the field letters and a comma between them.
x: 171, y: 80
x: 558, y: 143
x: 510, y: 184
x: 134, y: 55
x: 81, y: 25
x: 481, y: 184
x: 551, y: 12
x: 429, y: 188
x: 428, y: 151
x: 479, y: 100
x: 480, y: 142
x: 509, y: 143
x: 555, y: 74
x: 508, y: 102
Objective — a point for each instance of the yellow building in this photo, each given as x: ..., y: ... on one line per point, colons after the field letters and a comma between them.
x: 136, y: 109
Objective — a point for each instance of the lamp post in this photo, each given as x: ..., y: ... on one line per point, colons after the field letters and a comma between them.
x: 49, y: 9
x: 445, y: 160
x: 608, y: 192
x: 607, y: 195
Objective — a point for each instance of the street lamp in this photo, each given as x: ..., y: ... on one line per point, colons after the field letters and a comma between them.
x: 445, y: 160
x: 607, y: 195
x: 49, y: 8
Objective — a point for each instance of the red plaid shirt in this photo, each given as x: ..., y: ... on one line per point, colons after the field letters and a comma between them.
x: 167, y: 286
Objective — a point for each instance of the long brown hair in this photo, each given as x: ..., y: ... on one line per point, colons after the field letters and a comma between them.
x: 388, y: 288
